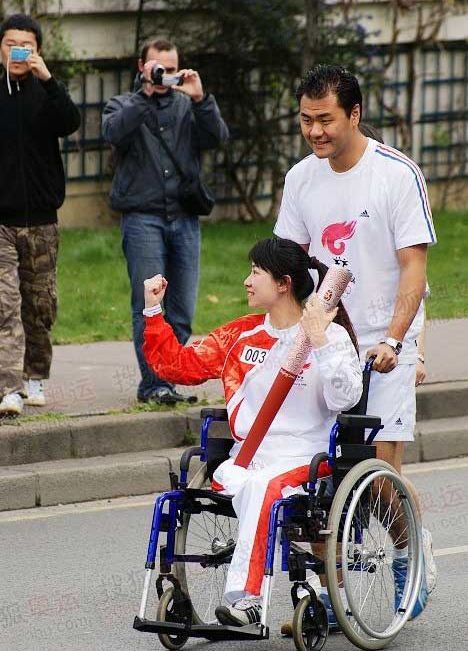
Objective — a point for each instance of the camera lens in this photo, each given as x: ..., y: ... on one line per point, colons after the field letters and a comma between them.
x: 157, y: 72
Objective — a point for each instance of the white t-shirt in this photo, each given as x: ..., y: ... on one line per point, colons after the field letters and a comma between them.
x: 358, y: 219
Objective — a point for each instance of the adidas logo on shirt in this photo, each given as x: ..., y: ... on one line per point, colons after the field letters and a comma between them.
x: 364, y: 214
x: 398, y: 421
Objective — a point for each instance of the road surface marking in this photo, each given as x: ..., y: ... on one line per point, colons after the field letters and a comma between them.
x: 431, y: 466
x: 71, y: 509
x: 448, y: 551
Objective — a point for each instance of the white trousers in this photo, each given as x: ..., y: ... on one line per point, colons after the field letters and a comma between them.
x: 254, y: 490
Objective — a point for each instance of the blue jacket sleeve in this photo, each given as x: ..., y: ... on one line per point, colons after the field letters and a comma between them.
x: 122, y: 117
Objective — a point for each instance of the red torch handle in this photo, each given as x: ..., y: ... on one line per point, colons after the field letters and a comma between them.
x: 266, y: 414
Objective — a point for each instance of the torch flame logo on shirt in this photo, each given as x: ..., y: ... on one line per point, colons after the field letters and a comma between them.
x: 333, y: 236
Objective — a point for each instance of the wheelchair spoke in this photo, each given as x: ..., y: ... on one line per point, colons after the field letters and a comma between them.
x: 376, y: 515
x: 367, y: 594
x: 204, y: 533
x: 389, y: 597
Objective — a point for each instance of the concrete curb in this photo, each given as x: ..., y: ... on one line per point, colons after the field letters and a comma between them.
x: 442, y: 400
x: 442, y: 438
x: 90, y: 436
x: 76, y: 480
x: 100, y: 435
x: 138, y: 473
x: 98, y: 457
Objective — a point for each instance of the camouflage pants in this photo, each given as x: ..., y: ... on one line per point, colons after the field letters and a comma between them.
x: 28, y: 303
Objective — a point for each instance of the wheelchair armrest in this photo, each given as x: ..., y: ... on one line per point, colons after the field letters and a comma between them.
x: 317, y: 459
x: 216, y: 414
x: 187, y: 455
x: 358, y: 420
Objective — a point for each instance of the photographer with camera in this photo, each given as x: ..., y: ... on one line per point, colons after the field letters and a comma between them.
x: 35, y: 111
x: 158, y: 133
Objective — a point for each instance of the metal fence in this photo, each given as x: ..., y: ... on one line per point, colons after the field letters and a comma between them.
x: 86, y: 156
x: 421, y: 108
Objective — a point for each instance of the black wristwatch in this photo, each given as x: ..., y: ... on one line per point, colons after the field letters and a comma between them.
x: 393, y: 343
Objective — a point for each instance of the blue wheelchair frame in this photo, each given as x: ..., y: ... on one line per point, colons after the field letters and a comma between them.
x: 293, y: 558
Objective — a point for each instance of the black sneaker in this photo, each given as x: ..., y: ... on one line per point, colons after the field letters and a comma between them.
x: 242, y: 613
x: 166, y: 396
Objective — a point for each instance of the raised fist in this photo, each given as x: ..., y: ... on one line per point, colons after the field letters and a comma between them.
x: 155, y: 288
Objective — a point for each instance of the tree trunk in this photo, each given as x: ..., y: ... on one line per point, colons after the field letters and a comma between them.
x: 313, y: 10
x: 311, y: 49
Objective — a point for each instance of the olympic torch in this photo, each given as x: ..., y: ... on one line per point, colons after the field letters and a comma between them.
x: 329, y: 293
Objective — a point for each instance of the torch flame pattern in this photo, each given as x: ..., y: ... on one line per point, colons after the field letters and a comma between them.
x: 333, y: 236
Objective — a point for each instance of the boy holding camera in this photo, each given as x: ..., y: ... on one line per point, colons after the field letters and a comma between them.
x: 157, y: 133
x: 35, y: 110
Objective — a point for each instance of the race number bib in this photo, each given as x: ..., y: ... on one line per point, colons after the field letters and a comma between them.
x: 254, y: 356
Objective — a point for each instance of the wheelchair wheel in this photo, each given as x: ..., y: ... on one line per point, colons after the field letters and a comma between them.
x: 168, y: 613
x: 310, y: 625
x: 203, y: 533
x: 372, y: 507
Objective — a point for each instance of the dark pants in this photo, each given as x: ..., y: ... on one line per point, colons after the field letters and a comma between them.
x: 28, y: 303
x: 153, y: 245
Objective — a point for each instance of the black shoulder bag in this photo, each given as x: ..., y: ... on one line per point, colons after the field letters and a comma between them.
x: 194, y: 196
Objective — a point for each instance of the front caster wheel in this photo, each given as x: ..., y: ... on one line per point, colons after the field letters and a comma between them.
x: 169, y: 612
x: 310, y: 625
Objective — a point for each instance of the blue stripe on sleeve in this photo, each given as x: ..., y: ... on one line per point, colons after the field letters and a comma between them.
x: 418, y: 183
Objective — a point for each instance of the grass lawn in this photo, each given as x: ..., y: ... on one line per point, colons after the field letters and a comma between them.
x: 448, y: 267
x: 94, y: 289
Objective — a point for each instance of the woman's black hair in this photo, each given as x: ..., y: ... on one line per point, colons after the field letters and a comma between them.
x: 282, y: 258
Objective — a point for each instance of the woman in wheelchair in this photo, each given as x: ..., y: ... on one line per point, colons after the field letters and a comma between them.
x: 246, y: 354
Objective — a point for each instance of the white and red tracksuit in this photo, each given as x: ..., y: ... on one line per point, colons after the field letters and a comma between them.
x: 247, y: 355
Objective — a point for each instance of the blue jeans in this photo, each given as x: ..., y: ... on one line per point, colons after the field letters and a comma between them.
x: 153, y: 245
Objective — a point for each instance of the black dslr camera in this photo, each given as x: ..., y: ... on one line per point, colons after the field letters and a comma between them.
x: 159, y: 78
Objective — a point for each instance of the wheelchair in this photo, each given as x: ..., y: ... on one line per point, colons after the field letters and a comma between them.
x: 348, y: 536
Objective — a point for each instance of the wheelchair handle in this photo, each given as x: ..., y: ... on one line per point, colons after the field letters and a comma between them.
x: 361, y: 407
x: 369, y: 364
x: 366, y: 375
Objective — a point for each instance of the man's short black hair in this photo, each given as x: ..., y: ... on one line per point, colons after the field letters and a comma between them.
x: 25, y: 23
x: 159, y: 44
x: 323, y: 79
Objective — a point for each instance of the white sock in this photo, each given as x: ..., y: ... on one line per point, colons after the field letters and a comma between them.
x: 400, y: 553
x: 324, y: 590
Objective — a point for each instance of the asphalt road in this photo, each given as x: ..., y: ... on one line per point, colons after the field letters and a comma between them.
x: 71, y: 577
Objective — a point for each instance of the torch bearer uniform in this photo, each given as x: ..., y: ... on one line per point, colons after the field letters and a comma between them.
x: 247, y: 354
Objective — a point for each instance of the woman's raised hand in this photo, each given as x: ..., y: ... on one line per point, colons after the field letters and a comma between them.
x: 315, y: 320
x: 155, y: 288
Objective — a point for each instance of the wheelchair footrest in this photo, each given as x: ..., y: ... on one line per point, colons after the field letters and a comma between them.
x: 207, y: 631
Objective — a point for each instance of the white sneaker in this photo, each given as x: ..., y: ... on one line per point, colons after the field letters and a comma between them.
x: 35, y: 392
x: 429, y: 562
x: 11, y: 405
x: 244, y: 612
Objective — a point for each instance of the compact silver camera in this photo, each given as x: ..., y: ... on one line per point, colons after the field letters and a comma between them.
x: 159, y: 77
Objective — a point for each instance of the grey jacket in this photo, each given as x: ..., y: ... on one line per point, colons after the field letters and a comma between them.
x: 145, y: 179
